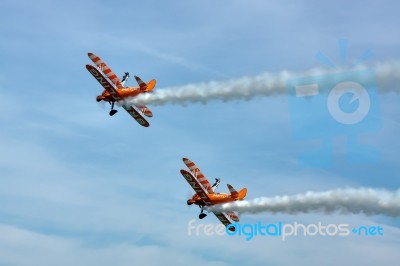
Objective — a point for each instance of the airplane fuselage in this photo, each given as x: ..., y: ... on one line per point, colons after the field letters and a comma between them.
x: 217, y: 198
x: 124, y: 93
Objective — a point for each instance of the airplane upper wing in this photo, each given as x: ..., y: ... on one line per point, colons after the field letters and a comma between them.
x: 198, y: 188
x: 115, y: 95
x: 199, y: 175
x: 135, y: 114
x: 106, y: 70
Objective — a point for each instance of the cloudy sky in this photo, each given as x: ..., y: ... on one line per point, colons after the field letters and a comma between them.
x: 80, y: 188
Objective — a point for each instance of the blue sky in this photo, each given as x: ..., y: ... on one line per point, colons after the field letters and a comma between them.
x: 81, y: 188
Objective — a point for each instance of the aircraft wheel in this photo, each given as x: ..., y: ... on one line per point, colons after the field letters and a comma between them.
x: 202, y: 215
x: 232, y: 228
x: 113, y: 112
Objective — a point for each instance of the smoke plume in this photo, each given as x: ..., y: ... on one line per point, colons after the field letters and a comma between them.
x: 387, y: 76
x: 367, y: 201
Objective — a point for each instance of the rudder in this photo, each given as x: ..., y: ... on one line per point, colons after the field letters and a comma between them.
x: 151, y: 85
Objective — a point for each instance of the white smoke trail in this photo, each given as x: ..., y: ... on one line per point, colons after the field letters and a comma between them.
x: 363, y: 200
x: 246, y: 88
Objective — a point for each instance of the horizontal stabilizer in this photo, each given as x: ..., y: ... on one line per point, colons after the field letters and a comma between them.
x: 233, y: 216
x: 146, y: 87
x: 145, y: 110
x: 234, y: 193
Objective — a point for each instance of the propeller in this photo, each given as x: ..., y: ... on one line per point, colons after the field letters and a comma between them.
x: 189, y: 194
x: 104, y: 105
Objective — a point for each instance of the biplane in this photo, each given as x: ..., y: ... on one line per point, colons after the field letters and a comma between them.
x: 115, y: 91
x: 206, y: 196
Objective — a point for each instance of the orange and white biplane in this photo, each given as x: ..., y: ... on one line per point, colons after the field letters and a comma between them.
x: 115, y: 91
x: 206, y: 196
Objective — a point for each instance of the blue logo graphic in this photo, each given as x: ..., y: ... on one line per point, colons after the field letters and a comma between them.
x: 287, y: 230
x: 337, y: 104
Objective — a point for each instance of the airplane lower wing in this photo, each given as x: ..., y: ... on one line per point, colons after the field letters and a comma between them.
x: 198, y: 188
x: 115, y: 95
x: 104, y: 82
x: 223, y: 217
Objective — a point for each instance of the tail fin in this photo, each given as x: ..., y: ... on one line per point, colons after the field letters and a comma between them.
x: 151, y: 85
x: 234, y: 193
x: 242, y: 193
x: 238, y: 195
x: 146, y: 87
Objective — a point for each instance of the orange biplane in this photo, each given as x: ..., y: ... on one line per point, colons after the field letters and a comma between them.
x: 115, y: 91
x: 206, y: 196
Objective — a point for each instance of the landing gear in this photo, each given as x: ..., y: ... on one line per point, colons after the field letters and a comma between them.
x: 113, y: 111
x: 202, y: 215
